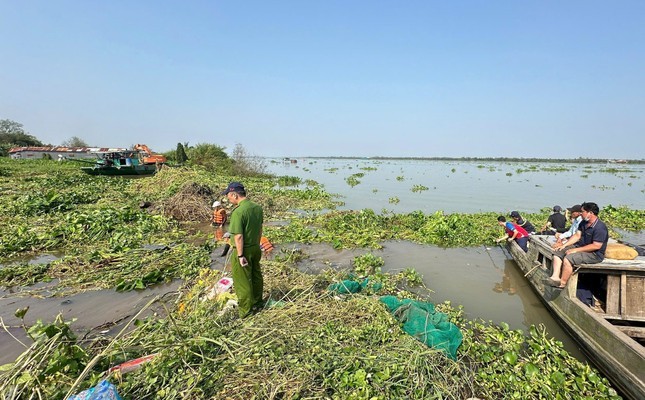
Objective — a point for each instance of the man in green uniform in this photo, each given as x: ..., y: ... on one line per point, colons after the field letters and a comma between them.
x: 246, y: 229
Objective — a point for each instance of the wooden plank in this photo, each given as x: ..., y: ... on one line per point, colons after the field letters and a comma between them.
x: 636, y: 268
x: 623, y: 294
x: 635, y: 301
x: 633, y: 331
x: 612, y: 305
x: 618, y: 317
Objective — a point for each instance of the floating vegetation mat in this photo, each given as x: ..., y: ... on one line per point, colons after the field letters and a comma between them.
x: 306, y: 343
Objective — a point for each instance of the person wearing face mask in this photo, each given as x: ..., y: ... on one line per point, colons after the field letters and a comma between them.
x: 586, y: 246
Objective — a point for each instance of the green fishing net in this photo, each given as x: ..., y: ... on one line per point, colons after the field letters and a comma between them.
x: 423, y: 322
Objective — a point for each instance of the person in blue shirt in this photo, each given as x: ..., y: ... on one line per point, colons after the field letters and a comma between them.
x: 514, y: 232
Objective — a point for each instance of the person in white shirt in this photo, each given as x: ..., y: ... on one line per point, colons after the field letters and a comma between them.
x: 576, y: 218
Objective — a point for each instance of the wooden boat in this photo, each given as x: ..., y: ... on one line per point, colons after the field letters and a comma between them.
x: 612, y: 337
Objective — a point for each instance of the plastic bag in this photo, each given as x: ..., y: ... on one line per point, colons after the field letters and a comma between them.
x: 104, y: 390
x: 223, y: 285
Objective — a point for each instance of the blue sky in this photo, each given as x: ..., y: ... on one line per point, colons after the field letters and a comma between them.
x: 324, y: 78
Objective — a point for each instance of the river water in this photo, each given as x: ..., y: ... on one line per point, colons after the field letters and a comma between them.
x: 470, y: 186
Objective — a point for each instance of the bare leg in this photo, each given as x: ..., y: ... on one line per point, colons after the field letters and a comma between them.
x: 557, y: 264
x: 567, y: 270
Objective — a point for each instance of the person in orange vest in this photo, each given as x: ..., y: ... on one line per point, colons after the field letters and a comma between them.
x: 265, y: 245
x: 219, y: 214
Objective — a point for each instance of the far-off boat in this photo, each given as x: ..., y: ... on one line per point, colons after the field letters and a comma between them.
x: 613, y: 335
x: 138, y: 161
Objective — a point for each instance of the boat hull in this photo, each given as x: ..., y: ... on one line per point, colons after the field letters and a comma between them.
x: 121, y: 171
x: 619, y: 357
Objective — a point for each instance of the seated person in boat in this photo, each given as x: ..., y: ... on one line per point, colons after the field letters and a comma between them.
x: 556, y: 223
x: 514, y: 232
x: 586, y: 246
x: 576, y: 218
x: 517, y: 218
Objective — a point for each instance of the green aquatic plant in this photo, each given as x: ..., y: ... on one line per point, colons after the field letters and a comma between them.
x: 289, y: 180
x: 412, y: 277
x: 50, y: 365
x: 603, y: 187
x: 305, y: 343
x: 554, y: 169
x: 352, y: 180
x: 312, y: 344
x: 23, y: 274
x: 616, y: 170
x: 533, y: 366
x: 367, y: 264
x: 623, y: 218
x: 419, y: 188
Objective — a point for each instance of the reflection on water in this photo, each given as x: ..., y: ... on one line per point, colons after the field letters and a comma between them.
x: 506, y: 285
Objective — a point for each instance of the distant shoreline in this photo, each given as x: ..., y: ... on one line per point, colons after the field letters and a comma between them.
x: 498, y: 159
